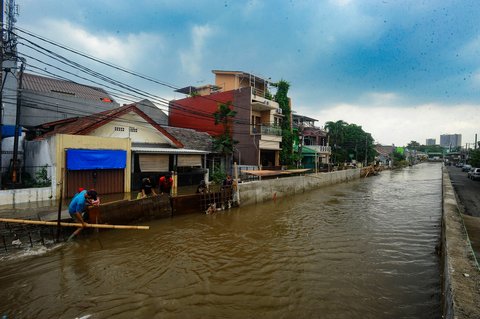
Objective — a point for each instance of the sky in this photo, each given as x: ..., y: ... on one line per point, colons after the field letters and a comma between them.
x: 403, y: 70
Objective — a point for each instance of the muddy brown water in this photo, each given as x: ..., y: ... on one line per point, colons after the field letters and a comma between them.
x: 363, y: 249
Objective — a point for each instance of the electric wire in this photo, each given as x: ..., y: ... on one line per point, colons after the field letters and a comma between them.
x: 158, y: 99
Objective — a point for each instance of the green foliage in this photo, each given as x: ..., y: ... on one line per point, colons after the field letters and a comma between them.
x: 41, y: 178
x: 224, y: 143
x: 268, y: 95
x: 431, y: 149
x: 397, y: 156
x: 218, y: 175
x: 194, y: 94
x: 401, y: 163
x: 413, y: 145
x: 475, y: 158
x: 224, y: 114
x: 281, y: 97
x: 287, y: 143
x: 350, y: 142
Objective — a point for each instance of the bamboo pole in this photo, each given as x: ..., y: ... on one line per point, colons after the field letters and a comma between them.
x: 45, y: 223
x: 59, y: 215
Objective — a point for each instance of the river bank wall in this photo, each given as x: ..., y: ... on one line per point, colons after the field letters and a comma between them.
x: 461, y: 278
x: 261, y: 191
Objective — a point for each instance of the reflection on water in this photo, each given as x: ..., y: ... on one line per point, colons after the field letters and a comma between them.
x: 364, y: 249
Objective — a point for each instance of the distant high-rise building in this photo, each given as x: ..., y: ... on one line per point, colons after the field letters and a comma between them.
x: 431, y: 141
x: 451, y: 140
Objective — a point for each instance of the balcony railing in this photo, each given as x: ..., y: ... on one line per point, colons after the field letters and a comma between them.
x: 271, y: 130
x: 258, y: 92
x: 267, y: 130
x: 320, y: 148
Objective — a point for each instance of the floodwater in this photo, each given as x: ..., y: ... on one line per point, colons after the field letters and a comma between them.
x: 363, y: 249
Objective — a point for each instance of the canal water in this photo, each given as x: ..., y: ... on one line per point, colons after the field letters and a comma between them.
x: 363, y: 249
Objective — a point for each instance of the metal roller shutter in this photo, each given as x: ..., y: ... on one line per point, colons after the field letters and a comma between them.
x: 104, y: 181
x: 189, y: 160
x: 153, y: 162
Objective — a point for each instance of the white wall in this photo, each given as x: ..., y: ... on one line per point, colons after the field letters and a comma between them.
x: 40, y: 153
x: 25, y: 195
x: 144, y: 131
x: 7, y: 150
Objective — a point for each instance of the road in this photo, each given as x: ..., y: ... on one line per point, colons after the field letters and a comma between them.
x: 468, y: 193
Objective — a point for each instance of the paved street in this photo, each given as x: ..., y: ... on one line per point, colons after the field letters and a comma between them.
x: 468, y: 192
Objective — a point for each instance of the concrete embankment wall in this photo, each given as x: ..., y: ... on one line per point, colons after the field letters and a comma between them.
x: 261, y: 191
x: 25, y: 195
x: 461, y: 283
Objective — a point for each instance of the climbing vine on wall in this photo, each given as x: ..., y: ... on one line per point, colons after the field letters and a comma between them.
x: 281, y: 97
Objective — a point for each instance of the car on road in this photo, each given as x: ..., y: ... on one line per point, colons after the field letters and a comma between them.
x: 474, y: 173
x: 459, y: 165
x: 466, y: 167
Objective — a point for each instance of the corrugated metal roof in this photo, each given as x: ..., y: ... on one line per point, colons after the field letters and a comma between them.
x: 192, y: 139
x: 68, y: 88
x: 167, y: 150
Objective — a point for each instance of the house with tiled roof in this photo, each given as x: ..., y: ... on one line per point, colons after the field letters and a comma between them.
x: 384, y: 153
x: 143, y: 147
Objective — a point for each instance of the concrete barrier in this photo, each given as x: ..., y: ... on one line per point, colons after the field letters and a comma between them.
x: 261, y: 191
x: 25, y: 195
x: 461, y: 278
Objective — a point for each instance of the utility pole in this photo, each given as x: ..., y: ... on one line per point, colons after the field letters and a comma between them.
x: 9, y: 65
x: 1, y: 91
x: 17, y: 126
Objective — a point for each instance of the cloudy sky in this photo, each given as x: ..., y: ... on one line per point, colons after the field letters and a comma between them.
x: 403, y: 70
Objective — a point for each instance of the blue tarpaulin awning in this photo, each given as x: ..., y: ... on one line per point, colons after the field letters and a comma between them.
x: 9, y: 131
x: 80, y: 159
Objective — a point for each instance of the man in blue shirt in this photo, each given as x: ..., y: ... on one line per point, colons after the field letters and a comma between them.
x: 78, y: 206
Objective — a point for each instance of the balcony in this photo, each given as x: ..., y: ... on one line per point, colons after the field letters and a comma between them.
x: 320, y: 149
x: 267, y: 130
x: 260, y: 103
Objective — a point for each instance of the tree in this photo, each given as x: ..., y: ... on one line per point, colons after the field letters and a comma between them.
x: 397, y: 156
x: 350, y: 142
x: 336, y: 134
x: 475, y: 158
x: 413, y: 145
x: 224, y: 143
